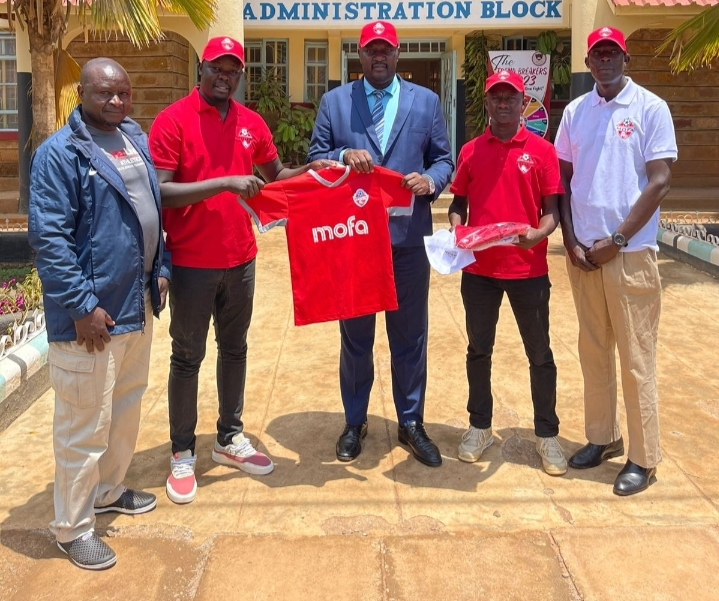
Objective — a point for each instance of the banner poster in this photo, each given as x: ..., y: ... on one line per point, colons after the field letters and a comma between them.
x: 534, y: 68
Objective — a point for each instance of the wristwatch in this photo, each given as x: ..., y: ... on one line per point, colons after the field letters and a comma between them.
x: 619, y: 239
x: 430, y: 181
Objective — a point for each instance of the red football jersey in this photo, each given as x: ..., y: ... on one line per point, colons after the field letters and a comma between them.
x: 337, y: 238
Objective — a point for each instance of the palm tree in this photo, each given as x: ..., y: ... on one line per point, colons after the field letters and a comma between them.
x: 695, y: 43
x: 46, y: 22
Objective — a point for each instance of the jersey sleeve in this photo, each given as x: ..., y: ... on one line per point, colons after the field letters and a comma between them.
x: 269, y: 208
x: 562, y: 143
x: 265, y: 151
x: 550, y: 181
x: 460, y: 185
x: 165, y: 141
x: 397, y: 200
x: 660, y: 141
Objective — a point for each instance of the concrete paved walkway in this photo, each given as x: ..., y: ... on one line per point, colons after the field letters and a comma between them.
x: 386, y: 527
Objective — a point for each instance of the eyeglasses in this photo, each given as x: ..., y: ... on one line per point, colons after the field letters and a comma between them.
x: 372, y: 52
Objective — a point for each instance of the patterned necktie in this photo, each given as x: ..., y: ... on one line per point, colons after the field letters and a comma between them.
x: 378, y: 114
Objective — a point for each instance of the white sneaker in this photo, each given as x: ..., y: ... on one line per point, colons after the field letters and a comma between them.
x: 474, y: 442
x: 552, y: 456
x: 181, y: 485
x: 241, y: 454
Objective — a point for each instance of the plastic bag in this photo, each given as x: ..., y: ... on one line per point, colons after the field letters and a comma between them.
x: 479, y: 237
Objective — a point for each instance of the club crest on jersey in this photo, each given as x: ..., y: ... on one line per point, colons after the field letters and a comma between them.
x: 625, y: 128
x: 525, y: 162
x: 360, y: 197
x: 245, y: 137
x: 351, y: 228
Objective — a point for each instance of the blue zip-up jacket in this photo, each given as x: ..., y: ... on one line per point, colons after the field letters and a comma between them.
x: 87, y: 235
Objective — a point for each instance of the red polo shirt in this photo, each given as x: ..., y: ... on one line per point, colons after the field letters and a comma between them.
x: 505, y: 181
x: 190, y: 138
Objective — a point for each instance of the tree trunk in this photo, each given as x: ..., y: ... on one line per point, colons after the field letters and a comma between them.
x: 43, y: 87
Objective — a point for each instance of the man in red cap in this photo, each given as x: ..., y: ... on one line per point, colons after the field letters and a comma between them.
x: 384, y: 120
x: 509, y: 175
x: 616, y: 146
x: 204, y: 147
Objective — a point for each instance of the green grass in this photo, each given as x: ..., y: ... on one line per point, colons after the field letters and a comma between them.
x: 18, y: 272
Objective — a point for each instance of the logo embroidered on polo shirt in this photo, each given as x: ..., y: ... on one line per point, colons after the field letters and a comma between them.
x: 525, y: 162
x: 360, y: 198
x: 245, y: 136
x: 625, y: 128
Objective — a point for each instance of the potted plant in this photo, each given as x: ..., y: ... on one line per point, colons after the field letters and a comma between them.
x: 291, y: 125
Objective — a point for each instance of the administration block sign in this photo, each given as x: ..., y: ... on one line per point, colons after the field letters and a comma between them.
x: 411, y: 13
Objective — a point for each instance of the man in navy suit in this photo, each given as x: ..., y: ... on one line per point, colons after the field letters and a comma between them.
x: 384, y: 120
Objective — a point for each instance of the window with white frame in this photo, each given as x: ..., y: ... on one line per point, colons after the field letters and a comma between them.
x: 315, y: 70
x: 8, y: 83
x: 262, y: 56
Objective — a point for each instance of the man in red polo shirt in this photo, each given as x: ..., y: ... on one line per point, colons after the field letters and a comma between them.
x: 204, y: 147
x: 509, y: 174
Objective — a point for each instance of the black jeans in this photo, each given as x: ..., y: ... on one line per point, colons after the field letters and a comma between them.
x: 529, y: 299
x: 196, y: 295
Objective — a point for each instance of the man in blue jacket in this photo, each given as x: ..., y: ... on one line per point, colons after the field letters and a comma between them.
x: 95, y: 225
x: 384, y: 120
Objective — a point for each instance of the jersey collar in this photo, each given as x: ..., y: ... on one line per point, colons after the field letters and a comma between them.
x: 624, y: 97
x: 521, y: 135
x: 201, y: 105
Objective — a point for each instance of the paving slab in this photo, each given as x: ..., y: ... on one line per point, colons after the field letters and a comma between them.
x: 151, y: 567
x: 273, y: 568
x: 642, y: 564
x: 468, y: 568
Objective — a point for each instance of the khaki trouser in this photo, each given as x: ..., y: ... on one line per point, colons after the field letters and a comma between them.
x: 97, y: 419
x: 619, y: 305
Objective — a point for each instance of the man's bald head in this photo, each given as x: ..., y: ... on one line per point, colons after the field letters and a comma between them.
x: 99, y: 67
x: 105, y: 92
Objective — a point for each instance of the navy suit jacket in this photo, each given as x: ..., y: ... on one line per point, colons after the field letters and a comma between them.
x: 418, y: 142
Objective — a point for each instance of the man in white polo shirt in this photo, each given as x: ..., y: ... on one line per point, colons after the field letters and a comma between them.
x: 616, y: 146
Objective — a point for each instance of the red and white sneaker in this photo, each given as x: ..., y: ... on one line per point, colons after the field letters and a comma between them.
x: 181, y: 485
x: 242, y: 455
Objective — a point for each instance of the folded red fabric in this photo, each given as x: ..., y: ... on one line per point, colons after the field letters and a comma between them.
x: 479, y: 237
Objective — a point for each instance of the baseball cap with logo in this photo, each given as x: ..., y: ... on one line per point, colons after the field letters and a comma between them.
x: 504, y: 76
x: 223, y: 46
x: 606, y: 34
x: 378, y: 30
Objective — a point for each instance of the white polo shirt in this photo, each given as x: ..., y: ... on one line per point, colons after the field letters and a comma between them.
x: 609, y: 144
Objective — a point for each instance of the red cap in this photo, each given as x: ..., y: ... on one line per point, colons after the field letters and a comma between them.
x: 606, y: 34
x: 379, y: 30
x: 223, y: 46
x: 504, y: 76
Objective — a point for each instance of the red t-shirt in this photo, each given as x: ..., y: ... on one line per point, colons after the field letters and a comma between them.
x: 190, y: 138
x: 506, y: 182
x: 337, y: 239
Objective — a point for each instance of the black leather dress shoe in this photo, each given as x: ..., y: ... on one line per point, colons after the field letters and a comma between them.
x: 592, y: 455
x: 349, y: 444
x: 633, y: 479
x: 414, y: 436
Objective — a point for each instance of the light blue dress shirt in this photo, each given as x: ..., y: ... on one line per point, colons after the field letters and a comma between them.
x: 391, y: 103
